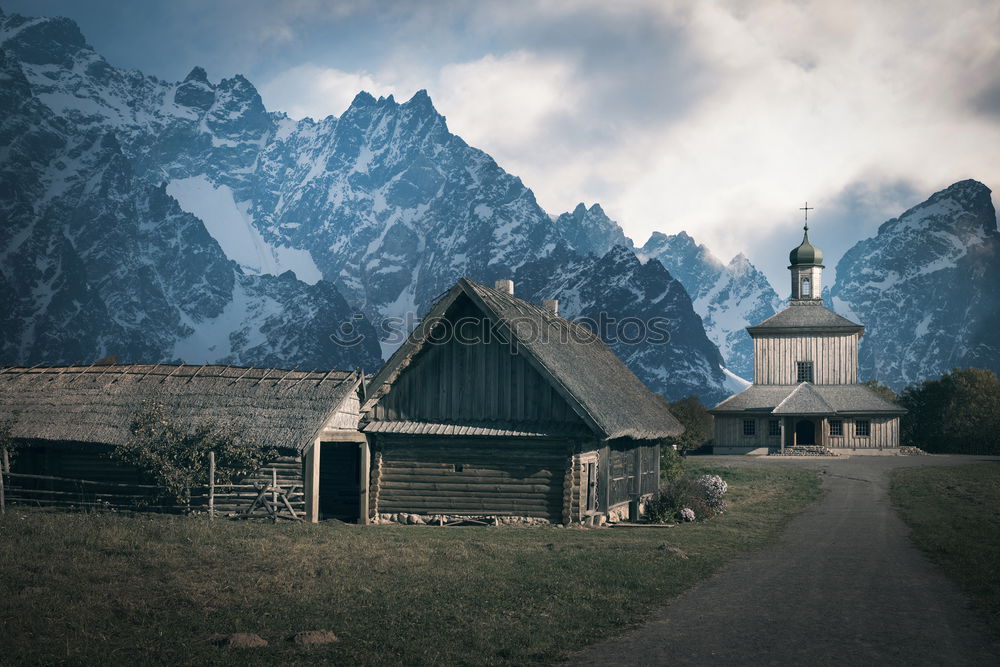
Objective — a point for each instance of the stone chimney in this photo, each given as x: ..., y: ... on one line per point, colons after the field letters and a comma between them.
x: 551, y: 306
x: 506, y: 286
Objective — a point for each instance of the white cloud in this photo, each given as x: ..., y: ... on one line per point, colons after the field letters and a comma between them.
x: 317, y: 92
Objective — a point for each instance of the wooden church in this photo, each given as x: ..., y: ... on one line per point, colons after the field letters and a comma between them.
x: 805, y: 389
x: 499, y: 409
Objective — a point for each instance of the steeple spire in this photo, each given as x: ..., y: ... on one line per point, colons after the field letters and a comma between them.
x: 806, y: 264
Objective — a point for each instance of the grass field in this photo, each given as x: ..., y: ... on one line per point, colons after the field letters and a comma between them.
x: 133, y: 589
x: 954, y: 516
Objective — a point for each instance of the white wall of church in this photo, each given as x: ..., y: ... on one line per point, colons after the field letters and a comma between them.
x: 834, y: 357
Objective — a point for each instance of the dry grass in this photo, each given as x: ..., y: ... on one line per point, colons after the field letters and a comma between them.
x: 954, y: 516
x: 133, y: 589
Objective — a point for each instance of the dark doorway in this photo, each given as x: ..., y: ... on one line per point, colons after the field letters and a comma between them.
x: 340, y: 481
x: 805, y: 432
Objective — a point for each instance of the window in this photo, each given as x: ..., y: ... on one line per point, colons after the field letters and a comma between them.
x: 836, y: 427
x: 862, y: 427
x: 749, y: 427
x: 806, y: 291
x: 773, y: 427
x: 805, y: 371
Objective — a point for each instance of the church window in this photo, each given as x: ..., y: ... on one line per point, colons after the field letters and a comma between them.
x: 773, y: 427
x: 863, y: 427
x: 836, y: 427
x: 805, y: 371
x: 806, y: 290
x: 749, y: 427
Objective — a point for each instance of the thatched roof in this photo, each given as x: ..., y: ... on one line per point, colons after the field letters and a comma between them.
x: 808, y: 399
x: 599, y: 387
x: 804, y: 317
x: 96, y: 404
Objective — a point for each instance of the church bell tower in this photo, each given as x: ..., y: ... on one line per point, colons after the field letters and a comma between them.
x: 806, y: 265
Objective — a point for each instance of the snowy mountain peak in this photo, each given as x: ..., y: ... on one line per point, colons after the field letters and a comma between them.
x: 924, y: 286
x: 590, y: 230
x: 198, y: 73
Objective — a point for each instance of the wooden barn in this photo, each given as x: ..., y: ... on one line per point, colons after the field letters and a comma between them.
x: 500, y: 410
x: 68, y: 419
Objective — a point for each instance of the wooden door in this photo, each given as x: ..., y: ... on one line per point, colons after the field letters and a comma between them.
x: 340, y: 481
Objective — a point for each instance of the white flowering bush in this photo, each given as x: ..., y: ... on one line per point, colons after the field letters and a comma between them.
x: 713, y: 488
x: 687, y: 514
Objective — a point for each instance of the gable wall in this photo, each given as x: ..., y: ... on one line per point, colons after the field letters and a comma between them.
x: 834, y: 357
x: 486, y: 381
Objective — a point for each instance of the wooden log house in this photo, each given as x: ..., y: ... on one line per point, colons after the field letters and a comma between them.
x: 69, y: 419
x: 500, y: 410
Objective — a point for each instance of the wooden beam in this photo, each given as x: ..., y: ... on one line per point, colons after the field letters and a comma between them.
x: 364, y: 517
x: 312, y: 482
x: 345, y: 435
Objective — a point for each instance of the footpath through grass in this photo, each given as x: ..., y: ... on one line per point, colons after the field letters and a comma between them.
x: 136, y: 589
x: 954, y: 516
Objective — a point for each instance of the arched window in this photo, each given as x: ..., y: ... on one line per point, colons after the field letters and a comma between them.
x: 806, y: 290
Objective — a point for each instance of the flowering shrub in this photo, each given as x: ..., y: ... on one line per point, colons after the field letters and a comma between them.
x: 686, y: 514
x: 713, y: 488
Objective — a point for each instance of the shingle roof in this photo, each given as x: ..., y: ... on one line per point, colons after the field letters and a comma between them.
x: 804, y: 400
x: 96, y: 404
x: 808, y: 398
x: 483, y: 429
x: 599, y: 387
x: 806, y: 315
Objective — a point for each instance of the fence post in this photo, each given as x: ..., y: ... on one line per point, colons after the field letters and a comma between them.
x: 4, y: 464
x: 211, y: 484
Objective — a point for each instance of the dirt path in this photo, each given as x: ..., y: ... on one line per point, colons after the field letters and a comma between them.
x: 842, y: 586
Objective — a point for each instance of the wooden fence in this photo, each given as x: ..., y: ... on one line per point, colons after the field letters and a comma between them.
x: 212, y: 498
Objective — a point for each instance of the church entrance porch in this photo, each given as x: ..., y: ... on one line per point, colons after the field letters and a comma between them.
x: 805, y: 432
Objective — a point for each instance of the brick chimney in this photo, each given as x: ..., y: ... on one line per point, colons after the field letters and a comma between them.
x: 506, y: 286
x: 551, y: 306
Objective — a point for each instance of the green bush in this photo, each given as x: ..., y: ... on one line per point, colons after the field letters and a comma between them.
x: 685, y: 491
x: 697, y: 422
x: 671, y: 464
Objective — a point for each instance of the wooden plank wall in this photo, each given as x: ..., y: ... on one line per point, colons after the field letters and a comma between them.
x: 634, y: 470
x: 455, y: 381
x: 834, y: 357
x: 501, y: 477
x: 884, y: 433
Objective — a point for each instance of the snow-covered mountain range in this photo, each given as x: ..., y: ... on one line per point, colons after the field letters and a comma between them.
x: 182, y: 220
x: 927, y: 288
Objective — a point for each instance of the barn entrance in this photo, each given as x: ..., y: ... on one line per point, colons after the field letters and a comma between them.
x: 340, y: 481
x: 805, y: 432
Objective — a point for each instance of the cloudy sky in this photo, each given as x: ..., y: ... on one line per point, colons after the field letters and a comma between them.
x: 717, y: 118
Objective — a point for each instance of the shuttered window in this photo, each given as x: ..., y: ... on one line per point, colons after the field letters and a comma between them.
x: 749, y: 427
x: 774, y: 427
x: 863, y: 427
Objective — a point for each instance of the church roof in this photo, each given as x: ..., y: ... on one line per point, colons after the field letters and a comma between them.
x: 600, y: 388
x: 803, y: 316
x: 804, y: 400
x: 807, y: 398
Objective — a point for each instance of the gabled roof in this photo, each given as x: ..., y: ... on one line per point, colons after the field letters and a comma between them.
x: 596, y: 384
x: 96, y: 404
x: 803, y: 316
x: 807, y: 398
x: 804, y: 400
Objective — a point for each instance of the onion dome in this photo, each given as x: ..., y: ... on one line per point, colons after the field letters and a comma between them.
x: 806, y: 254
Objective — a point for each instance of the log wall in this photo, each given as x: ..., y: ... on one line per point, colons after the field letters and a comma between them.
x: 456, y: 476
x: 834, y: 357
